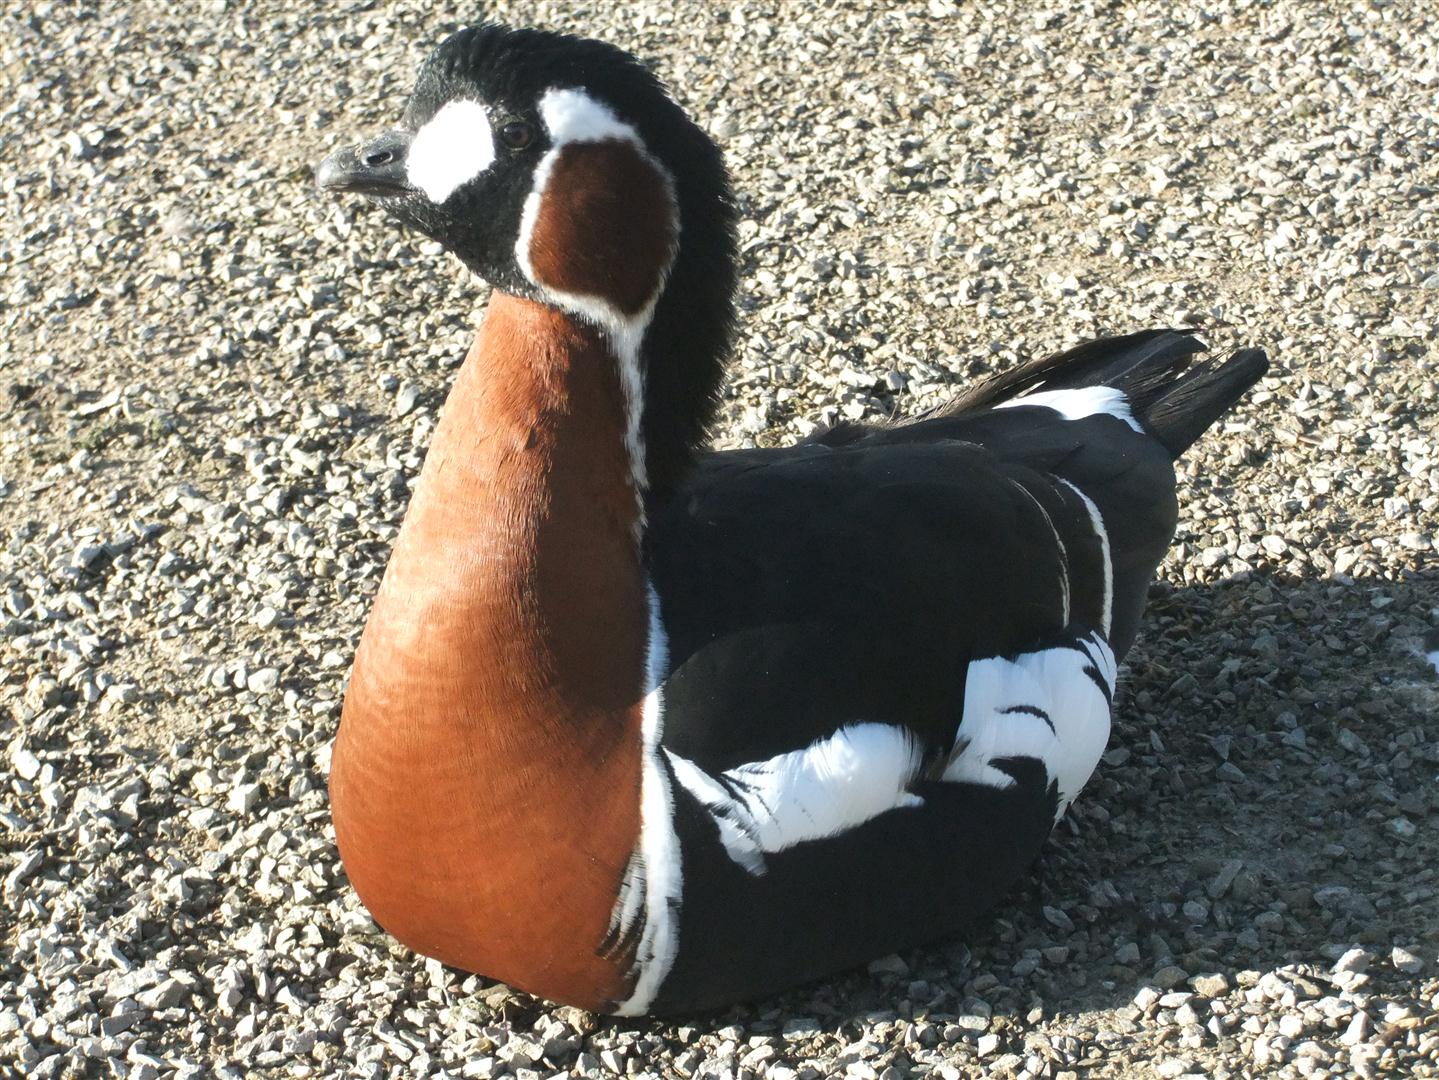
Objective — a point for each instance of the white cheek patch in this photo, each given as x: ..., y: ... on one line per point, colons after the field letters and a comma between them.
x: 574, y: 116
x: 453, y: 147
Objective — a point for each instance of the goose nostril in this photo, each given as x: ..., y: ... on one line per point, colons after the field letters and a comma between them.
x: 379, y: 157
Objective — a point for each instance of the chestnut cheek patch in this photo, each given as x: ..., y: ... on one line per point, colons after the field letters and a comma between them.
x: 605, y: 227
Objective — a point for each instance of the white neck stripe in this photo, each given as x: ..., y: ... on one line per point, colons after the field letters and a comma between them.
x: 572, y: 116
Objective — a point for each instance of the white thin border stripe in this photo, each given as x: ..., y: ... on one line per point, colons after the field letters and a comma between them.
x: 659, y: 845
x: 571, y: 117
x: 1097, y: 520
x: 1059, y: 545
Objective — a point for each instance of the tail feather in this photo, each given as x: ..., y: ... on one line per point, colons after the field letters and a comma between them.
x: 1171, y: 395
x: 1186, y: 408
x: 1153, y: 354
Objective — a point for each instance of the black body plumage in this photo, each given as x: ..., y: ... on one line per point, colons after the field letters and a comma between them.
x: 854, y: 578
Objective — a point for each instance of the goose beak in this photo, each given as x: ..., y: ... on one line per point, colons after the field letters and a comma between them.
x: 376, y: 169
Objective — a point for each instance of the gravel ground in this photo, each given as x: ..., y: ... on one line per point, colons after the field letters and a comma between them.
x: 218, y: 386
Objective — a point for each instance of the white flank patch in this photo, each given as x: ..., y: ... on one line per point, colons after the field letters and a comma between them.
x: 453, y: 147
x: 1081, y: 402
x: 657, y: 858
x: 1041, y: 705
x: 834, y: 784
x: 1102, y: 534
x: 573, y: 116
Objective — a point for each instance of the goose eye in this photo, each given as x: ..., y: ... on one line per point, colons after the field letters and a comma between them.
x: 517, y: 134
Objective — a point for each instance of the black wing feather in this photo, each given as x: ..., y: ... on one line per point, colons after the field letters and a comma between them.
x: 852, y: 579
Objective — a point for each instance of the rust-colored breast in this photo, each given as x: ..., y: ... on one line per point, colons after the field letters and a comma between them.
x: 486, y: 777
x: 606, y: 225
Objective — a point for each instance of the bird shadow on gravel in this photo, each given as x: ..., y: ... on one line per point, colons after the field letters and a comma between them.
x: 1266, y: 803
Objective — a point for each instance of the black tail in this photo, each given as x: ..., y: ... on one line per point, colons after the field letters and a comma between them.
x: 1188, y: 405
x: 1174, y: 397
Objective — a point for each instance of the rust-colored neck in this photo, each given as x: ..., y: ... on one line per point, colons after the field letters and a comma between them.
x: 486, y: 779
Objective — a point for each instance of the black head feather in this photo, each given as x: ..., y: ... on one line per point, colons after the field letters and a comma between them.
x: 690, y: 332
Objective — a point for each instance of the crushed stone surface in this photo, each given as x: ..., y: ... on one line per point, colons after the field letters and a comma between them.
x: 217, y: 388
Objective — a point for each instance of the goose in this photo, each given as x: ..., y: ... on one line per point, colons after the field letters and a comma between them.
x: 646, y: 728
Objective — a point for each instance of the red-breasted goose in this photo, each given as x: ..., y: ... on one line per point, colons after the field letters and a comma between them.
x: 646, y: 728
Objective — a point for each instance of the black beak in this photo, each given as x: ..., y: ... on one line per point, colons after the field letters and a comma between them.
x: 376, y: 169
